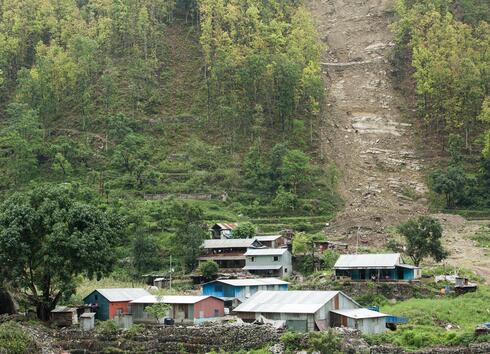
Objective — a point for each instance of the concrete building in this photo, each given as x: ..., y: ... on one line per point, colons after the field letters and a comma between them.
x: 108, y: 303
x: 184, y: 309
x: 379, y: 267
x: 275, y: 262
x: 308, y: 310
x: 87, y: 321
x: 241, y: 289
x: 229, y: 254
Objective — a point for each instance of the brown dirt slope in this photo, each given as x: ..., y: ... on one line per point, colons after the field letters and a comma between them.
x: 367, y: 129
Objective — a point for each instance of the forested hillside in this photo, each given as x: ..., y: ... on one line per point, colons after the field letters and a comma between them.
x: 134, y: 100
x: 445, y: 47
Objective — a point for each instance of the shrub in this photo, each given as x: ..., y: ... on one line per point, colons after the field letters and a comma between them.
x: 244, y: 230
x: 329, y: 258
x: 107, y: 328
x: 134, y: 330
x: 209, y: 269
x: 292, y: 341
x: 324, y: 342
x: 14, y: 340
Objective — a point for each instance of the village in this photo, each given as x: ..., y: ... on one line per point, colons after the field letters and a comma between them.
x: 253, y: 285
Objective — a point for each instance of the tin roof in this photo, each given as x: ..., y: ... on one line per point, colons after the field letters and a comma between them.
x: 265, y: 252
x: 348, y: 261
x: 122, y: 294
x: 61, y: 309
x: 225, y: 226
x: 268, y: 237
x: 229, y: 243
x: 251, y: 282
x: 359, y: 313
x: 286, y: 301
x: 176, y: 299
x: 262, y: 267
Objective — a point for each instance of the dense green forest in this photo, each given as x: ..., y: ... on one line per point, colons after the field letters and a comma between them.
x: 446, y: 44
x: 143, y: 102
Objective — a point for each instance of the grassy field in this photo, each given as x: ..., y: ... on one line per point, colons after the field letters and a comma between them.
x: 449, y: 320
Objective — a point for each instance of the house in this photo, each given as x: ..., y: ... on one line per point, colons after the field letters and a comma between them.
x: 275, y: 262
x: 322, y: 245
x: 242, y: 289
x: 64, y: 316
x: 222, y: 231
x: 229, y: 254
x: 108, y: 303
x: 384, y: 267
x: 184, y: 309
x: 308, y: 310
x: 367, y: 321
x: 272, y: 241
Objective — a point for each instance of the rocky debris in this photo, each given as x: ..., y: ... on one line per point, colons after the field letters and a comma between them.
x: 368, y: 134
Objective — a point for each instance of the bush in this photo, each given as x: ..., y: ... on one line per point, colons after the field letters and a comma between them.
x: 329, y: 258
x: 107, y: 328
x: 14, y: 340
x: 209, y: 269
x: 134, y: 330
x: 292, y: 341
x: 244, y: 230
x: 324, y: 342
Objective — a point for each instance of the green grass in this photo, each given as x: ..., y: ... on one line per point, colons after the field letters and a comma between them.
x: 429, y: 317
x: 86, y: 286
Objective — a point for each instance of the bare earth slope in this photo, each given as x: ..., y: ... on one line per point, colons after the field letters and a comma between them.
x: 366, y: 134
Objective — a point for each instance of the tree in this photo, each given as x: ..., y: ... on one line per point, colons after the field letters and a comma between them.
x: 48, y: 237
x: 295, y: 169
x: 423, y: 237
x: 450, y: 182
x: 209, y: 269
x: 158, y: 310
x: 244, y: 230
x: 145, y: 253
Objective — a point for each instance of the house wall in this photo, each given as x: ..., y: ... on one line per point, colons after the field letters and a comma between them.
x: 103, y: 305
x: 115, y: 306
x: 285, y: 260
x: 209, y: 308
x: 368, y: 325
x: 223, y: 290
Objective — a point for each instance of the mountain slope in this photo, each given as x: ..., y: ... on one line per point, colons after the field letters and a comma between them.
x: 367, y: 130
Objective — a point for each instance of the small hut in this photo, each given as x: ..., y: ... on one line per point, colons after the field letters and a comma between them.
x: 87, y: 321
x: 64, y: 316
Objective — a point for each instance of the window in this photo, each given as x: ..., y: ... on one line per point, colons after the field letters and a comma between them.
x: 96, y: 297
x: 285, y: 270
x: 119, y: 312
x: 252, y: 259
x: 276, y: 258
x: 216, y: 313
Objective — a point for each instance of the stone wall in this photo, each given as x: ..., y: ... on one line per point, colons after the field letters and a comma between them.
x: 175, y: 339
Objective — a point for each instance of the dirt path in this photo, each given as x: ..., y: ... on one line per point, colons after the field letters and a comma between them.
x: 367, y: 132
x: 464, y: 252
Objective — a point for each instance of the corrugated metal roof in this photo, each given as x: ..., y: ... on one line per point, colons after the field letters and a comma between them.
x: 268, y: 237
x: 122, y: 294
x: 359, y: 313
x: 252, y: 282
x: 226, y: 226
x: 286, y: 301
x: 229, y: 243
x: 265, y: 251
x: 262, y: 267
x: 347, y: 261
x: 221, y: 258
x: 174, y: 299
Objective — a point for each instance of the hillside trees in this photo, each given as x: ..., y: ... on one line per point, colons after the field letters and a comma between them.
x: 262, y: 64
x: 48, y: 236
x: 423, y: 239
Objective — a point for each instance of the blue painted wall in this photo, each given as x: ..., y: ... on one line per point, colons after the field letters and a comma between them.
x: 225, y: 290
x: 103, y: 310
x: 408, y: 274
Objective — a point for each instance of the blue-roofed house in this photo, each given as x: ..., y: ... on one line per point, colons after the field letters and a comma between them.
x: 242, y: 289
x: 384, y: 267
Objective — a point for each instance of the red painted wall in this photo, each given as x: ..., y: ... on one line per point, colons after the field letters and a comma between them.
x: 208, y: 306
x: 114, y: 306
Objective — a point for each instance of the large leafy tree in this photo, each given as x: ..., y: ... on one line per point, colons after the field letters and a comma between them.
x: 50, y: 235
x: 423, y: 237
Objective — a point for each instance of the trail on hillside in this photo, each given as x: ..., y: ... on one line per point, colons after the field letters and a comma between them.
x: 367, y: 130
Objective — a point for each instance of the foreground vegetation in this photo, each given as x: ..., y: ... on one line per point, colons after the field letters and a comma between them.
x: 448, y: 320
